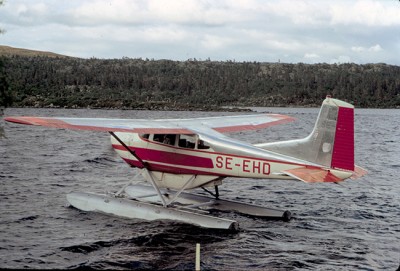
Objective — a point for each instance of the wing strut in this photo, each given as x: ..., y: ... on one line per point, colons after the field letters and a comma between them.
x: 144, y: 164
x: 145, y: 168
x: 149, y: 175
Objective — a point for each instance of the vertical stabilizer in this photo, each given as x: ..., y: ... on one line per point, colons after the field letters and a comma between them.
x: 343, y: 148
x: 330, y: 144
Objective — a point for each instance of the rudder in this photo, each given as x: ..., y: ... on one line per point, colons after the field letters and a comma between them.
x: 343, y: 148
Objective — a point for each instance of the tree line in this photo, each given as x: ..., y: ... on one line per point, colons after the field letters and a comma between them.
x: 164, y: 84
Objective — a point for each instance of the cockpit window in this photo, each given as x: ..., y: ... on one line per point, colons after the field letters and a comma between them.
x: 179, y: 140
x: 158, y: 137
x: 169, y: 139
x: 165, y: 138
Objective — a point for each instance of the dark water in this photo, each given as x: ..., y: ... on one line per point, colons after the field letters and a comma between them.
x: 352, y: 226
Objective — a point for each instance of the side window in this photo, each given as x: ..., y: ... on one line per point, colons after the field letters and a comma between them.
x: 158, y: 137
x: 187, y: 141
x: 169, y: 139
x: 165, y: 138
x: 201, y: 145
x: 144, y: 136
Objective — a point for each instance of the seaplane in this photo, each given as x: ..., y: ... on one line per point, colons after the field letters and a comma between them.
x: 176, y: 155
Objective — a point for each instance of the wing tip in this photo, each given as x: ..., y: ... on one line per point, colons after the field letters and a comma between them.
x: 19, y: 120
x: 62, y: 124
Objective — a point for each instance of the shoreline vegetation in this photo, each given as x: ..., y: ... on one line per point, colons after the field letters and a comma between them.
x: 159, y: 106
x: 43, y: 79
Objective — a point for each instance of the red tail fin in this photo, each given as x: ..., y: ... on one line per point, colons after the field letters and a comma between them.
x: 343, y: 148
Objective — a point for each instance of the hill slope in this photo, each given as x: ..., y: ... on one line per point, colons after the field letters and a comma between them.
x: 42, y: 79
x: 10, y: 51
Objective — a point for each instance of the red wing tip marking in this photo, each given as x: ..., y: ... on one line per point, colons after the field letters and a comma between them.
x: 20, y: 120
x: 58, y: 123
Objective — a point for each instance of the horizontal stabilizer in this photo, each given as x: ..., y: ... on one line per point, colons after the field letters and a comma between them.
x: 312, y: 175
x: 358, y: 172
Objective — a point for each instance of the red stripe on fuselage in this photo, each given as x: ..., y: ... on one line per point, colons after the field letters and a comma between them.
x: 166, y: 157
x: 56, y: 123
x: 194, y: 155
x: 170, y: 169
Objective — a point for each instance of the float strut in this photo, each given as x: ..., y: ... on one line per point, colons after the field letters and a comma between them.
x: 216, y: 192
x: 216, y: 195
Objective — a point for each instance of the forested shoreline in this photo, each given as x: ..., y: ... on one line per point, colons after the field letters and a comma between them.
x: 40, y: 81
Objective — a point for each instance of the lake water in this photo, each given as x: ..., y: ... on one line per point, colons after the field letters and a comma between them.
x: 351, y: 226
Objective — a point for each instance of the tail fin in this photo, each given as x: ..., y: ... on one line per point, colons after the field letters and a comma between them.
x: 343, y: 146
x: 330, y: 144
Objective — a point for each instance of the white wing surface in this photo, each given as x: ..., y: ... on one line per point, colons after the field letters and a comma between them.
x: 173, y: 126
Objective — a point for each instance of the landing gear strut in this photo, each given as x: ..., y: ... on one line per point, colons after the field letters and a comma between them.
x: 215, y: 195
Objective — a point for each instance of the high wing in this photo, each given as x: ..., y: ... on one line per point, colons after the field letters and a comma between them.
x: 176, y: 126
